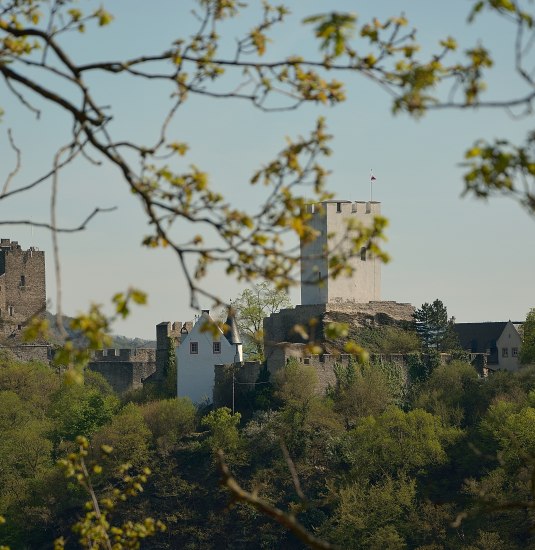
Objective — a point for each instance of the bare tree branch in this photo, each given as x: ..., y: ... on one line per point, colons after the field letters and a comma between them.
x: 288, y: 521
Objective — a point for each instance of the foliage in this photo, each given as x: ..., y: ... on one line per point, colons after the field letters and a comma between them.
x: 435, y: 330
x: 451, y: 392
x: 223, y: 429
x: 80, y: 409
x: 396, y: 443
x: 383, y: 339
x: 94, y: 528
x: 129, y: 436
x: 168, y: 421
x: 527, y: 350
x: 376, y: 476
x: 251, y: 306
x: 361, y: 390
x: 296, y: 384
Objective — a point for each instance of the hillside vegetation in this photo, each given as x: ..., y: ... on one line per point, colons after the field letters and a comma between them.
x: 446, y: 462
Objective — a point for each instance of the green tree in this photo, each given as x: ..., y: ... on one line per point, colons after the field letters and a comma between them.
x: 169, y: 420
x: 361, y: 390
x: 396, y: 443
x: 452, y: 392
x: 80, y: 409
x: 223, y: 432
x: 435, y: 330
x: 129, y: 436
x: 527, y: 349
x: 252, y: 306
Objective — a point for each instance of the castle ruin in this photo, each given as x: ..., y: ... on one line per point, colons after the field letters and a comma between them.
x: 22, y: 287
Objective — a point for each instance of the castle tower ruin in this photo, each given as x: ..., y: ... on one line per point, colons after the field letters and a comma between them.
x: 332, y: 219
x: 22, y: 286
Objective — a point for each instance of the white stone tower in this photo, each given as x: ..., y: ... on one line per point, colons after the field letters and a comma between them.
x: 330, y: 219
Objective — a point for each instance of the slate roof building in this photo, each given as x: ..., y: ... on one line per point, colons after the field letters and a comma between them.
x: 500, y: 340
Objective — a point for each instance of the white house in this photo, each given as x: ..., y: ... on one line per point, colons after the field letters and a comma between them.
x: 203, y: 347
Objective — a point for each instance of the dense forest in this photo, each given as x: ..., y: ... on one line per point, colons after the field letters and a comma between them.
x: 441, y: 458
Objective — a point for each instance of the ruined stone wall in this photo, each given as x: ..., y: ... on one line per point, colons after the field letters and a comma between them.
x: 120, y: 355
x: 31, y: 352
x: 22, y: 286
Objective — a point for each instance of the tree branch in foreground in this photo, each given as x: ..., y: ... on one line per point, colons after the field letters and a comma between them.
x: 288, y: 521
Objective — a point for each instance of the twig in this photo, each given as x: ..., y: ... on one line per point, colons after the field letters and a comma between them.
x: 13, y: 173
x: 288, y: 521
x: 293, y: 471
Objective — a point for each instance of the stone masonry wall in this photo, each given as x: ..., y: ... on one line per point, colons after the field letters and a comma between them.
x: 22, y: 286
x: 124, y: 369
x: 245, y: 377
x: 279, y: 328
x: 31, y: 352
x: 323, y: 364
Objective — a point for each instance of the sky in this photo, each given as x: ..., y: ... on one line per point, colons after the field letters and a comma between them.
x: 476, y: 256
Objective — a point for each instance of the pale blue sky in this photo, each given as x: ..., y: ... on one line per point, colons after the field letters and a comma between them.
x: 476, y: 257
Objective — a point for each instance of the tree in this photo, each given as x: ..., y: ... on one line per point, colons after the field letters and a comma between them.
x: 527, y: 350
x: 40, y: 68
x: 252, y: 306
x: 435, y: 330
x: 224, y: 435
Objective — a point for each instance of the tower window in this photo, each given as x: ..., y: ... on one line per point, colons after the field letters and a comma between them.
x: 22, y: 280
x: 11, y: 310
x: 194, y: 348
x: 363, y: 253
x: 339, y: 207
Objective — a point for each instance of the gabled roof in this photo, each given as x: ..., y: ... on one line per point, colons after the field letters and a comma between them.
x: 232, y: 334
x: 483, y: 335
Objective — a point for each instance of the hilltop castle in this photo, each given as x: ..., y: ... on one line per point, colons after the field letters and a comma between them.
x: 355, y: 299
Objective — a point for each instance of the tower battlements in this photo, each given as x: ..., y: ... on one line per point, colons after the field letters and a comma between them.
x: 344, y: 207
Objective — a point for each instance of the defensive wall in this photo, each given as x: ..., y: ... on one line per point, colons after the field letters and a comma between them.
x: 286, y: 326
x: 243, y: 376
x: 324, y: 364
x: 129, y: 369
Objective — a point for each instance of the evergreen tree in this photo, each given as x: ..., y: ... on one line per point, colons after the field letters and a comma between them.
x: 527, y: 351
x: 435, y: 330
